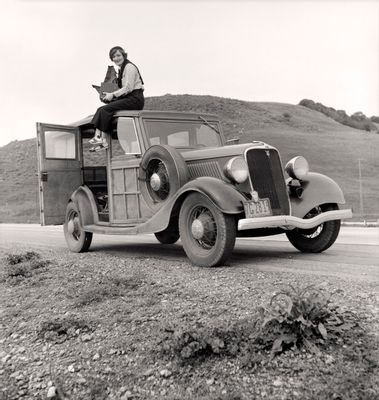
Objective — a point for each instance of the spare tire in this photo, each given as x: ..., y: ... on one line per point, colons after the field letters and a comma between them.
x: 162, y: 173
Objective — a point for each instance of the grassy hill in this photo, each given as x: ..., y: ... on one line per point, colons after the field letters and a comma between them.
x: 331, y: 148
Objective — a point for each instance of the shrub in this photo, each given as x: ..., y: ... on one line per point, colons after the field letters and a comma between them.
x: 357, y: 120
x: 359, y: 116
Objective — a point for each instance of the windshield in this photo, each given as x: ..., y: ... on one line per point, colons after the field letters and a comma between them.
x: 183, y: 134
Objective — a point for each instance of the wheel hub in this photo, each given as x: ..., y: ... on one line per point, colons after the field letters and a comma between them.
x: 197, y: 229
x: 73, y: 226
x: 155, y: 182
x: 202, y: 226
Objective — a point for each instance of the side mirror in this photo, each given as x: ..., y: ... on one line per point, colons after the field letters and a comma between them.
x: 232, y: 141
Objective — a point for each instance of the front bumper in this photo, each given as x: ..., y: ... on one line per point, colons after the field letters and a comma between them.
x: 289, y: 222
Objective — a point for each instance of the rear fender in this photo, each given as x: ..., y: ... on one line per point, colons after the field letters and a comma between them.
x: 318, y: 189
x: 85, y: 201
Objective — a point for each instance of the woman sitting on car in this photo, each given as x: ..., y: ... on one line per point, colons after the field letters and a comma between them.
x: 129, y: 96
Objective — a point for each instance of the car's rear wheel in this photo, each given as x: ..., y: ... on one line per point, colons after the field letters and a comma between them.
x: 319, y: 238
x: 77, y: 239
x: 207, y: 234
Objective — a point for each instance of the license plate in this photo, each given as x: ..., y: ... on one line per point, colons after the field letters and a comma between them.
x: 257, y: 209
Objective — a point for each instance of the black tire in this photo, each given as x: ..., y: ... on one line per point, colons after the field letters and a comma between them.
x: 77, y: 239
x: 209, y: 241
x: 171, y: 234
x: 165, y: 163
x: 317, y: 239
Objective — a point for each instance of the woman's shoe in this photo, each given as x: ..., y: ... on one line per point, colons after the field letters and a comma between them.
x: 101, y: 146
x: 95, y: 140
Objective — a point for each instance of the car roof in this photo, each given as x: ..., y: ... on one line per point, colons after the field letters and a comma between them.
x: 151, y: 114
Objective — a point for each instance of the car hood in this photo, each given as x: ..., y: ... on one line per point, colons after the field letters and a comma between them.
x: 223, y: 151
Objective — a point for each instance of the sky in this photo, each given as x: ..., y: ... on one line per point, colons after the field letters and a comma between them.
x: 52, y: 51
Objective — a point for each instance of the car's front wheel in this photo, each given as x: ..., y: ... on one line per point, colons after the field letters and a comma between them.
x: 77, y: 239
x: 207, y: 234
x: 319, y: 238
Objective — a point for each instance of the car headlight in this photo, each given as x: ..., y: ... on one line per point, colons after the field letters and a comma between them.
x: 297, y: 167
x: 236, y: 169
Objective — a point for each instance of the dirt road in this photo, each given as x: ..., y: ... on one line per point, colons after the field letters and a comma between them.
x: 354, y: 255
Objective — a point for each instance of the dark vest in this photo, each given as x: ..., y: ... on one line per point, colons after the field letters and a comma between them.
x: 119, y: 78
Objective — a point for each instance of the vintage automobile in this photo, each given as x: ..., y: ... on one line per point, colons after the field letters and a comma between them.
x: 175, y: 175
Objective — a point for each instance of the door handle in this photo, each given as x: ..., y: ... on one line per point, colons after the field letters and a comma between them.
x: 44, y: 176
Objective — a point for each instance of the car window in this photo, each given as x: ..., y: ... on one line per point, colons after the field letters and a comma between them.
x: 178, y: 139
x: 60, y: 144
x: 182, y: 134
x: 127, y: 136
x: 205, y: 136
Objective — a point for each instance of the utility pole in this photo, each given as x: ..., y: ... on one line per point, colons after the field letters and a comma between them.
x: 360, y: 188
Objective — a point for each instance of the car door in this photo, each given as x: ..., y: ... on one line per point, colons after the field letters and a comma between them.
x: 59, y: 169
x: 126, y: 205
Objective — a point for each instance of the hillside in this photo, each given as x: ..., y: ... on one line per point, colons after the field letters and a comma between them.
x: 331, y: 148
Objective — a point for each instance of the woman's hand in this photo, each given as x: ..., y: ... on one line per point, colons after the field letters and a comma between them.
x: 108, y: 96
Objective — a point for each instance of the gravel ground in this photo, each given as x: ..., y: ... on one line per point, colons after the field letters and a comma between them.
x: 95, y: 326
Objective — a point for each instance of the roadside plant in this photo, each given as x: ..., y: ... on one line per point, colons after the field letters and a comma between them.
x: 20, y: 266
x: 13, y: 259
x: 298, y: 317
x: 200, y: 342
x: 303, y: 318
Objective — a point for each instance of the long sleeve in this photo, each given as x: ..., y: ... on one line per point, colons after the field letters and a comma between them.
x: 130, y: 81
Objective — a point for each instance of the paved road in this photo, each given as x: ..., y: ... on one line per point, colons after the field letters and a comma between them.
x: 354, y: 255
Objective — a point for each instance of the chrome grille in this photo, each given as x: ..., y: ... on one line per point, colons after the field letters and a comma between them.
x: 267, y: 178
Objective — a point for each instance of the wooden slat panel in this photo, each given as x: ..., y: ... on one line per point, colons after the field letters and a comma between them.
x: 130, y: 180
x: 118, y: 181
x: 119, y: 208
x: 132, y: 206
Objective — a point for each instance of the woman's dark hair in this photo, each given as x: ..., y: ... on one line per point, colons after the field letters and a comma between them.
x: 113, y: 50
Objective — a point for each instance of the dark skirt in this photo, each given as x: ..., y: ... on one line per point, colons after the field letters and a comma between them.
x: 103, y: 117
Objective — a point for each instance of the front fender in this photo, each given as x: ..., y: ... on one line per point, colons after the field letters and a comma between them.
x: 318, y: 189
x: 224, y: 196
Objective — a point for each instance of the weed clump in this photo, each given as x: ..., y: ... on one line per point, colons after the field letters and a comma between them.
x: 60, y: 329
x: 294, y: 318
x: 21, y: 266
x: 301, y: 318
x: 107, y: 288
x: 13, y: 259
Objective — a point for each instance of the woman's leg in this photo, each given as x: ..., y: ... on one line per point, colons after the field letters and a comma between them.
x: 98, y: 137
x: 103, y: 116
x: 102, y: 119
